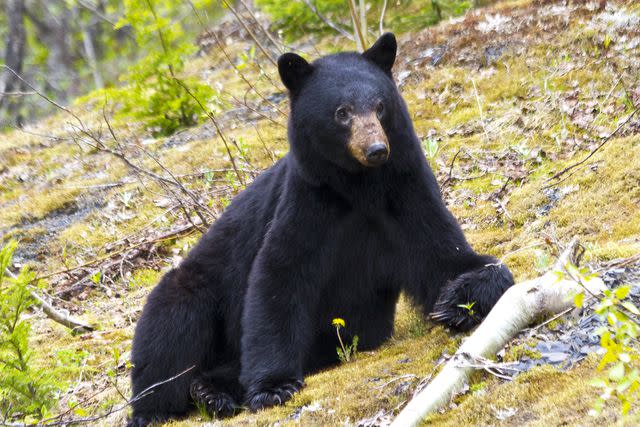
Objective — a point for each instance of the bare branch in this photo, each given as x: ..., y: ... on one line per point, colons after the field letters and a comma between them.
x: 357, y: 29
x: 217, y: 127
x: 248, y: 30
x: 265, y: 31
x: 384, y: 9
x: 595, y: 150
x: 327, y: 21
x: 59, y: 421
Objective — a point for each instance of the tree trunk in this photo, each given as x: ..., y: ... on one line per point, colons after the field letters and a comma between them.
x: 51, y: 20
x: 14, y: 59
x: 89, y: 47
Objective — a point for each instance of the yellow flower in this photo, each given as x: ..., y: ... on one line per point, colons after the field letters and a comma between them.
x: 338, y: 322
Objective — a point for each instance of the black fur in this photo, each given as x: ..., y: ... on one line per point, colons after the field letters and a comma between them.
x: 317, y: 236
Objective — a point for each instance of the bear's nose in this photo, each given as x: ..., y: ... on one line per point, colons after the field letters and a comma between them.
x: 377, y: 153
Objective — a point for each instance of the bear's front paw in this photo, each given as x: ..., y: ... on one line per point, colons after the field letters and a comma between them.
x: 466, y: 300
x: 455, y: 306
x: 272, y: 396
x: 215, y: 402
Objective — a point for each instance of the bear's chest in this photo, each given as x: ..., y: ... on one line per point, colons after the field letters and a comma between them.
x: 367, y: 248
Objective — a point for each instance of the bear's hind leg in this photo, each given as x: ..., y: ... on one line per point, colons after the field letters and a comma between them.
x: 218, y: 391
x: 174, y: 340
x: 465, y: 300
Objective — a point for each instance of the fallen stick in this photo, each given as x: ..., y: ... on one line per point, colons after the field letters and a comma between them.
x: 74, y: 324
x: 516, y: 309
x: 56, y: 315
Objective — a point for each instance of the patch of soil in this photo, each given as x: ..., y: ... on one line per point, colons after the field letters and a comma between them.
x: 34, y: 235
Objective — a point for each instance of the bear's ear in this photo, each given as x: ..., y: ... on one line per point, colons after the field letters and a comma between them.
x: 294, y: 70
x: 383, y: 52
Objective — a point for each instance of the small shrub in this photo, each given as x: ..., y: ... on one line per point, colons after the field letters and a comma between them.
x: 154, y: 91
x: 621, y: 358
x: 25, y: 389
x: 618, y: 338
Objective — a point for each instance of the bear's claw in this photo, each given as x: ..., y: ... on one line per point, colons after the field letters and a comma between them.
x: 273, y: 396
x: 216, y: 403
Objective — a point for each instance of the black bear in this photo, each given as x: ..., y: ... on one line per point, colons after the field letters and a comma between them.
x: 350, y: 218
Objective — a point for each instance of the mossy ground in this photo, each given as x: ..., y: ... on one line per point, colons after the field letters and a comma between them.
x: 502, y: 130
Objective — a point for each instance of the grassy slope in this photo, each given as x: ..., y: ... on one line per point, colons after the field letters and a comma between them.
x: 538, y: 109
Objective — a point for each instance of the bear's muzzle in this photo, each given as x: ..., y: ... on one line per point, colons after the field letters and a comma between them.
x: 368, y: 143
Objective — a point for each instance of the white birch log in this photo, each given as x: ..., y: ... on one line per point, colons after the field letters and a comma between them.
x: 517, y: 308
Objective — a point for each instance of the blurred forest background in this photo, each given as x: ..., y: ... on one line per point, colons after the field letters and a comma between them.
x: 127, y: 127
x: 67, y: 48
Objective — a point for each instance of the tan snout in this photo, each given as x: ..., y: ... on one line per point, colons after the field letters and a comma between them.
x: 368, y: 143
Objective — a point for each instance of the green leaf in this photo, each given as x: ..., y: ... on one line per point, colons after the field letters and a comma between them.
x: 622, y: 291
x: 631, y: 307
x: 432, y: 148
x: 578, y: 300
x: 617, y: 372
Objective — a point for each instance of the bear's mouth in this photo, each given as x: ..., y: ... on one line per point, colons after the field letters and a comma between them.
x: 368, y: 143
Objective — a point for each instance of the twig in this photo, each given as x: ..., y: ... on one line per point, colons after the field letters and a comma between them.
x: 57, y: 316
x: 595, y: 150
x: 40, y: 94
x: 394, y: 379
x: 384, y: 9
x: 182, y: 188
x: 253, y: 36
x: 259, y: 25
x: 17, y: 93
x: 450, y: 177
x: 466, y: 360
x: 168, y: 235
x: 217, y: 127
x: 546, y: 322
x: 360, y: 39
x: 57, y: 421
x: 327, y: 21
x: 475, y: 92
x: 98, y: 144
x: 233, y: 64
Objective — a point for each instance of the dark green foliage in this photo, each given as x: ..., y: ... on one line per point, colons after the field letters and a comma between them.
x: 295, y: 18
x: 154, y: 92
x: 72, y: 47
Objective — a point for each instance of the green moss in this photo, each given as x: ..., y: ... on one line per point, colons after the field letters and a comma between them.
x: 36, y: 204
x: 145, y: 278
x: 540, y: 397
x: 519, y: 351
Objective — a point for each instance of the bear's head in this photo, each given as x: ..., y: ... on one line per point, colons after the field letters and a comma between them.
x: 343, y: 106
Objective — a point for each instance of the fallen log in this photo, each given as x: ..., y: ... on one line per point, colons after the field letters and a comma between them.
x: 522, y: 304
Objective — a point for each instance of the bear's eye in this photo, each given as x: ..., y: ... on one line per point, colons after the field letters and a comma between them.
x: 343, y: 114
x: 379, y: 109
